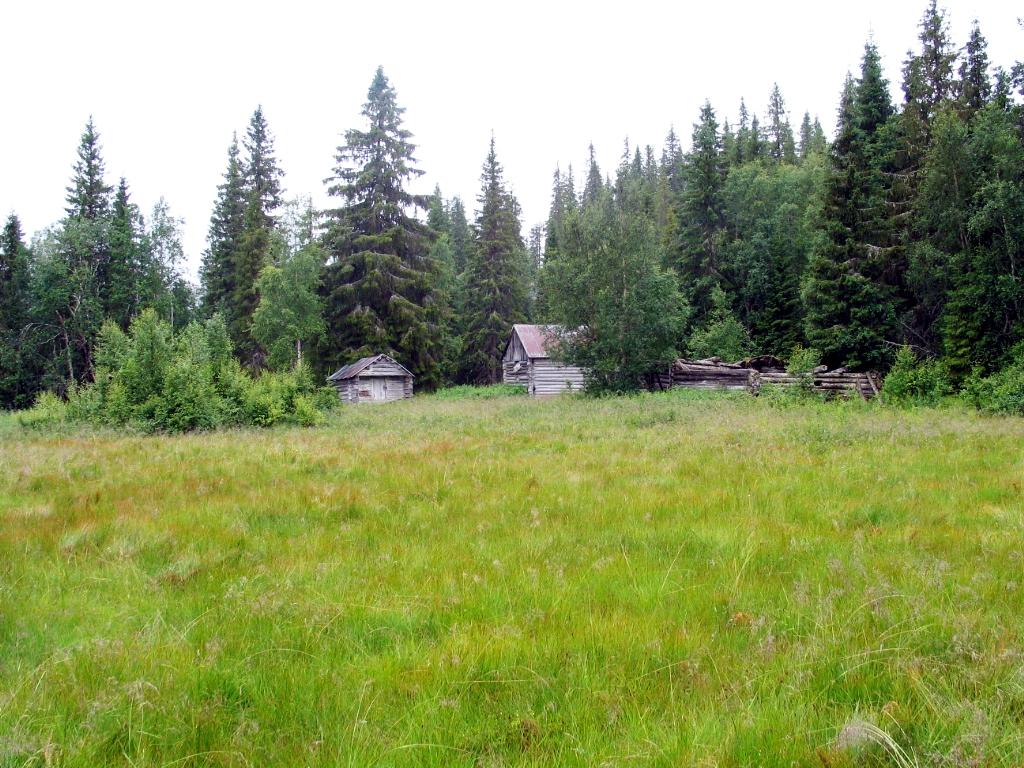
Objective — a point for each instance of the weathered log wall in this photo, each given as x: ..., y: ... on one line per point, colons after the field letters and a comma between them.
x: 714, y: 374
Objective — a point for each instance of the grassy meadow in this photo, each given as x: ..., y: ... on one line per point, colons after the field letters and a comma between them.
x: 661, y: 580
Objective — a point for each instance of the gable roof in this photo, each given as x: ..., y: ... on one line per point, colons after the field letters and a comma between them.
x: 536, y: 338
x: 352, y: 370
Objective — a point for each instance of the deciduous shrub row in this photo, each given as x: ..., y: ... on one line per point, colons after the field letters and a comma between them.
x: 927, y: 382
x: 154, y: 380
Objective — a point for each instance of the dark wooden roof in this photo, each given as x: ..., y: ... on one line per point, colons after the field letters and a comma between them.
x: 352, y: 370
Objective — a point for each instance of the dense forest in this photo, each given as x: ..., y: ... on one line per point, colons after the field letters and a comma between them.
x: 904, y: 231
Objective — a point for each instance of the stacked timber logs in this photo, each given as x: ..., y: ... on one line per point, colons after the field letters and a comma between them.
x: 751, y: 374
x: 710, y: 374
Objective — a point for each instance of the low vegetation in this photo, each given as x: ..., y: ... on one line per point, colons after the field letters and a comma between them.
x: 668, y: 579
x: 152, y: 379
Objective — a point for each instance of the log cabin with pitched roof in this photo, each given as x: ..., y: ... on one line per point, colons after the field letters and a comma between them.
x: 374, y: 379
x: 530, y: 360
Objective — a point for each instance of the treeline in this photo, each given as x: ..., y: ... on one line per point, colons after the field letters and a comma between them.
x: 904, y: 231
x: 102, y: 261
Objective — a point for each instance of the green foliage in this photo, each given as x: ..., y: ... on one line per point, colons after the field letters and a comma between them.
x: 803, y: 360
x: 696, y: 256
x: 155, y: 380
x: 849, y: 293
x: 915, y: 382
x: 290, y: 309
x: 379, y: 283
x: 773, y: 213
x: 48, y: 411
x: 227, y: 224
x: 1003, y: 391
x: 475, y: 392
x: 801, y: 363
x: 622, y: 312
x: 494, y: 291
x: 16, y: 383
x: 724, y: 336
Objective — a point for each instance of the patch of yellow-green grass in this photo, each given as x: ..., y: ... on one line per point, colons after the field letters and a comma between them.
x: 660, y: 580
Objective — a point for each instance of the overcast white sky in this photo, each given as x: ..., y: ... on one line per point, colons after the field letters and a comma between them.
x: 167, y: 83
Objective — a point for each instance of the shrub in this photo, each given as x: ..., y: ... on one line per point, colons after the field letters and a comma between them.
x: 155, y: 380
x: 48, y: 410
x: 803, y: 360
x: 915, y: 382
x: 1002, y: 392
x: 802, y: 363
x: 724, y: 336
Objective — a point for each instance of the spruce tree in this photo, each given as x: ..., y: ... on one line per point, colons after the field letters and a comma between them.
x: 496, y: 291
x: 74, y: 277
x: 927, y: 83
x: 261, y: 192
x: 437, y: 213
x: 262, y: 176
x: 124, y: 298
x: 728, y: 142
x: 806, y: 136
x: 781, y: 147
x: 88, y: 196
x: 975, y: 87
x: 741, y: 152
x: 379, y: 282
x: 850, y: 309
x: 460, y: 235
x: 755, y: 148
x: 673, y: 162
x: 697, y: 260
x: 225, y: 236
x: 16, y: 379
x: 594, y: 184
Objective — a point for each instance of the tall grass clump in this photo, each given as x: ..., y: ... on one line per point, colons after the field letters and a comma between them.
x: 153, y: 380
x: 471, y: 392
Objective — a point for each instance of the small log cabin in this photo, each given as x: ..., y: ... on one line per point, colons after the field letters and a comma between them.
x: 527, y: 361
x: 374, y: 379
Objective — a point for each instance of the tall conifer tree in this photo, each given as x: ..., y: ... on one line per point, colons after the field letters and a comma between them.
x: 227, y: 224
x: 496, y: 294
x: 126, y: 259
x: 379, y: 282
x: 697, y: 261
x: 781, y: 147
x: 850, y: 309
x: 16, y: 384
x: 88, y: 196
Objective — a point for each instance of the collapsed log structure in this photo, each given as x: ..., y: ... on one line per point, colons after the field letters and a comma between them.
x: 750, y: 375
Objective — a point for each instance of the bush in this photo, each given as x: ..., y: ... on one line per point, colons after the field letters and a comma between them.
x: 915, y: 382
x: 48, y: 410
x: 1002, y: 392
x: 802, y: 363
x: 724, y: 336
x: 157, y: 381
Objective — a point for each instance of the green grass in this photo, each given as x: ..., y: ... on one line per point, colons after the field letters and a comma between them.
x: 662, y: 580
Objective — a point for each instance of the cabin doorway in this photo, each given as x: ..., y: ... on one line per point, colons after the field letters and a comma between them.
x: 378, y: 390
